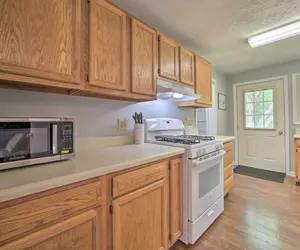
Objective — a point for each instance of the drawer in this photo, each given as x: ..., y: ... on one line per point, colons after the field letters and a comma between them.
x: 298, y: 143
x: 130, y: 181
x: 228, y: 146
x: 39, y: 210
x: 228, y: 171
x: 228, y: 158
x: 228, y: 184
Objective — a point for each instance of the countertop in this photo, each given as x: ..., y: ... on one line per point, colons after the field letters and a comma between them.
x: 297, y: 136
x: 225, y: 138
x: 87, y: 164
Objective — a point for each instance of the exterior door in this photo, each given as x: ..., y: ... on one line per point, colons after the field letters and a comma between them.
x: 168, y: 58
x: 203, y: 82
x: 261, y: 125
x: 107, y: 45
x: 140, y: 219
x: 80, y: 232
x: 186, y: 67
x: 40, y: 39
x: 176, y: 202
x: 144, y: 58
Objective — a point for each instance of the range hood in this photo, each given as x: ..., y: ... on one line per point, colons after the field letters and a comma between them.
x: 175, y: 92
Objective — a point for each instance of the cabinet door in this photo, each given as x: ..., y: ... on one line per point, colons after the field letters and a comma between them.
x: 80, y: 232
x: 186, y: 67
x: 297, y: 163
x: 143, y: 58
x: 168, y: 58
x: 40, y: 39
x: 203, y: 84
x: 107, y: 45
x: 140, y: 219
x: 176, y: 203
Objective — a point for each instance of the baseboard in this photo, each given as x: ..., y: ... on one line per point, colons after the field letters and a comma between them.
x: 291, y: 173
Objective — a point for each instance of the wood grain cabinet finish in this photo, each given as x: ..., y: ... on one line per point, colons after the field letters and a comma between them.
x: 78, y: 232
x: 107, y: 46
x: 186, y: 67
x: 140, y: 219
x: 168, y: 59
x: 203, y: 82
x: 176, y: 202
x: 228, y: 167
x: 297, y: 160
x: 143, y: 58
x: 40, y: 41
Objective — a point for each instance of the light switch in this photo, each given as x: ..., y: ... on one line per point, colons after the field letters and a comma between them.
x: 123, y: 124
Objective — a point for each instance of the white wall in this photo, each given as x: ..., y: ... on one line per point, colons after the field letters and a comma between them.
x: 267, y: 72
x: 94, y: 117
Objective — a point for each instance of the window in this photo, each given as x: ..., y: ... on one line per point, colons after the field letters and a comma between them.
x: 259, y: 109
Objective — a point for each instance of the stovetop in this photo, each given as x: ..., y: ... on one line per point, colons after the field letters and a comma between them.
x: 185, y: 139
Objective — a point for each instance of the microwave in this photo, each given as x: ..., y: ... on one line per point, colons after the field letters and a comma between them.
x: 30, y: 141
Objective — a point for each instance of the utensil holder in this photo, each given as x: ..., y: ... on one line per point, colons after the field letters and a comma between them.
x: 139, y: 132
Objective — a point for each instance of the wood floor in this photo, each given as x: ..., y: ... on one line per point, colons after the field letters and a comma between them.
x: 258, y: 215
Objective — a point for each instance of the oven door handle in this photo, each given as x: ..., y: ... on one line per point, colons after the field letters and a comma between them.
x: 197, y: 162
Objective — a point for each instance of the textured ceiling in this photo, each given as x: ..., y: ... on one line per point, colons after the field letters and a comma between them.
x: 218, y: 29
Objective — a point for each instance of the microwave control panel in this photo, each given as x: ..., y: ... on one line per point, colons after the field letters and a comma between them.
x: 67, y: 138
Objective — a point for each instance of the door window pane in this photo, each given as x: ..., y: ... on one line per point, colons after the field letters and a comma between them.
x: 259, y: 109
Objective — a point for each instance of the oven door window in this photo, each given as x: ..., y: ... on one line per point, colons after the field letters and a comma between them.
x: 208, y: 180
x: 24, y: 140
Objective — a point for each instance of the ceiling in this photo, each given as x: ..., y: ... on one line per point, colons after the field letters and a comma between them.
x: 217, y: 30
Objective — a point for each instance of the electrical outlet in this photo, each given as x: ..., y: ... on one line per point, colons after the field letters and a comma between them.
x: 123, y: 124
x: 188, y: 122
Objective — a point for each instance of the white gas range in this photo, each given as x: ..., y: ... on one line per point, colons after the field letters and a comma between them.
x: 203, y: 174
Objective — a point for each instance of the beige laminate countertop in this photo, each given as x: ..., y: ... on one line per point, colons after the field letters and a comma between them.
x: 87, y: 164
x: 297, y: 136
x: 225, y: 138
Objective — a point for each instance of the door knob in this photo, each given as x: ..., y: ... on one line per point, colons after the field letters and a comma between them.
x: 280, y: 133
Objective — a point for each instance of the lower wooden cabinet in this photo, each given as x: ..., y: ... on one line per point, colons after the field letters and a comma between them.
x: 297, y: 160
x: 78, y: 232
x: 140, y: 219
x: 176, y: 203
x: 131, y: 209
x: 228, y: 167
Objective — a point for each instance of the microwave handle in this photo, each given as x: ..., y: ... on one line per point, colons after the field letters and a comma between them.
x: 54, y: 139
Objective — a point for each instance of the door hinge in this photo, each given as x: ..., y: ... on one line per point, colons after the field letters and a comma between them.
x: 170, y: 237
x: 88, y: 77
x: 110, y: 209
x: 158, y: 38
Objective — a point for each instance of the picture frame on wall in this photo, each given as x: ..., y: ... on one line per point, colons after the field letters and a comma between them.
x: 222, y: 101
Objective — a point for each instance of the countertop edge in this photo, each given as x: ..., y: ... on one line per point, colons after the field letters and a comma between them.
x: 41, y: 186
x: 297, y: 136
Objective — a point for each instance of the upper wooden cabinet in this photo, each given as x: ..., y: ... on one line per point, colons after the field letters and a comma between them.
x: 143, y: 58
x: 203, y: 84
x: 186, y: 67
x: 40, y: 41
x: 79, y: 232
x: 107, y: 45
x: 168, y: 58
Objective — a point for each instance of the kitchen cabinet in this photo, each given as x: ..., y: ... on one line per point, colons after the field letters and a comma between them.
x: 78, y: 232
x: 41, y: 46
x: 297, y: 161
x: 176, y: 202
x: 143, y: 58
x: 203, y: 83
x: 186, y: 67
x: 168, y: 58
x: 107, y: 46
x: 228, y: 167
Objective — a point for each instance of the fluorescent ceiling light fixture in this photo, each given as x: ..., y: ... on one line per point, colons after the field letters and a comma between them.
x: 275, y: 35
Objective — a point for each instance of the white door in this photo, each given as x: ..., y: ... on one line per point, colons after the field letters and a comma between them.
x: 260, y: 110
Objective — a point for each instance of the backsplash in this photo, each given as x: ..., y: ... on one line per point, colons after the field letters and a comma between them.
x: 93, y: 117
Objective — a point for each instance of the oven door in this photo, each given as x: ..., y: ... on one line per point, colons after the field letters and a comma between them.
x: 207, y: 185
x: 24, y: 139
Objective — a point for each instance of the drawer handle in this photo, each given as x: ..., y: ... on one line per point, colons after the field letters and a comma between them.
x: 211, y: 212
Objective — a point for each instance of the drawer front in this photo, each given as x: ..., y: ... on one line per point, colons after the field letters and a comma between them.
x: 34, y: 214
x: 298, y: 143
x: 228, y: 158
x: 228, y: 171
x: 228, y: 146
x: 130, y: 181
x: 228, y: 184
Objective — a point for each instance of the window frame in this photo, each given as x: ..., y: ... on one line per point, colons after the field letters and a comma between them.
x: 274, y: 109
